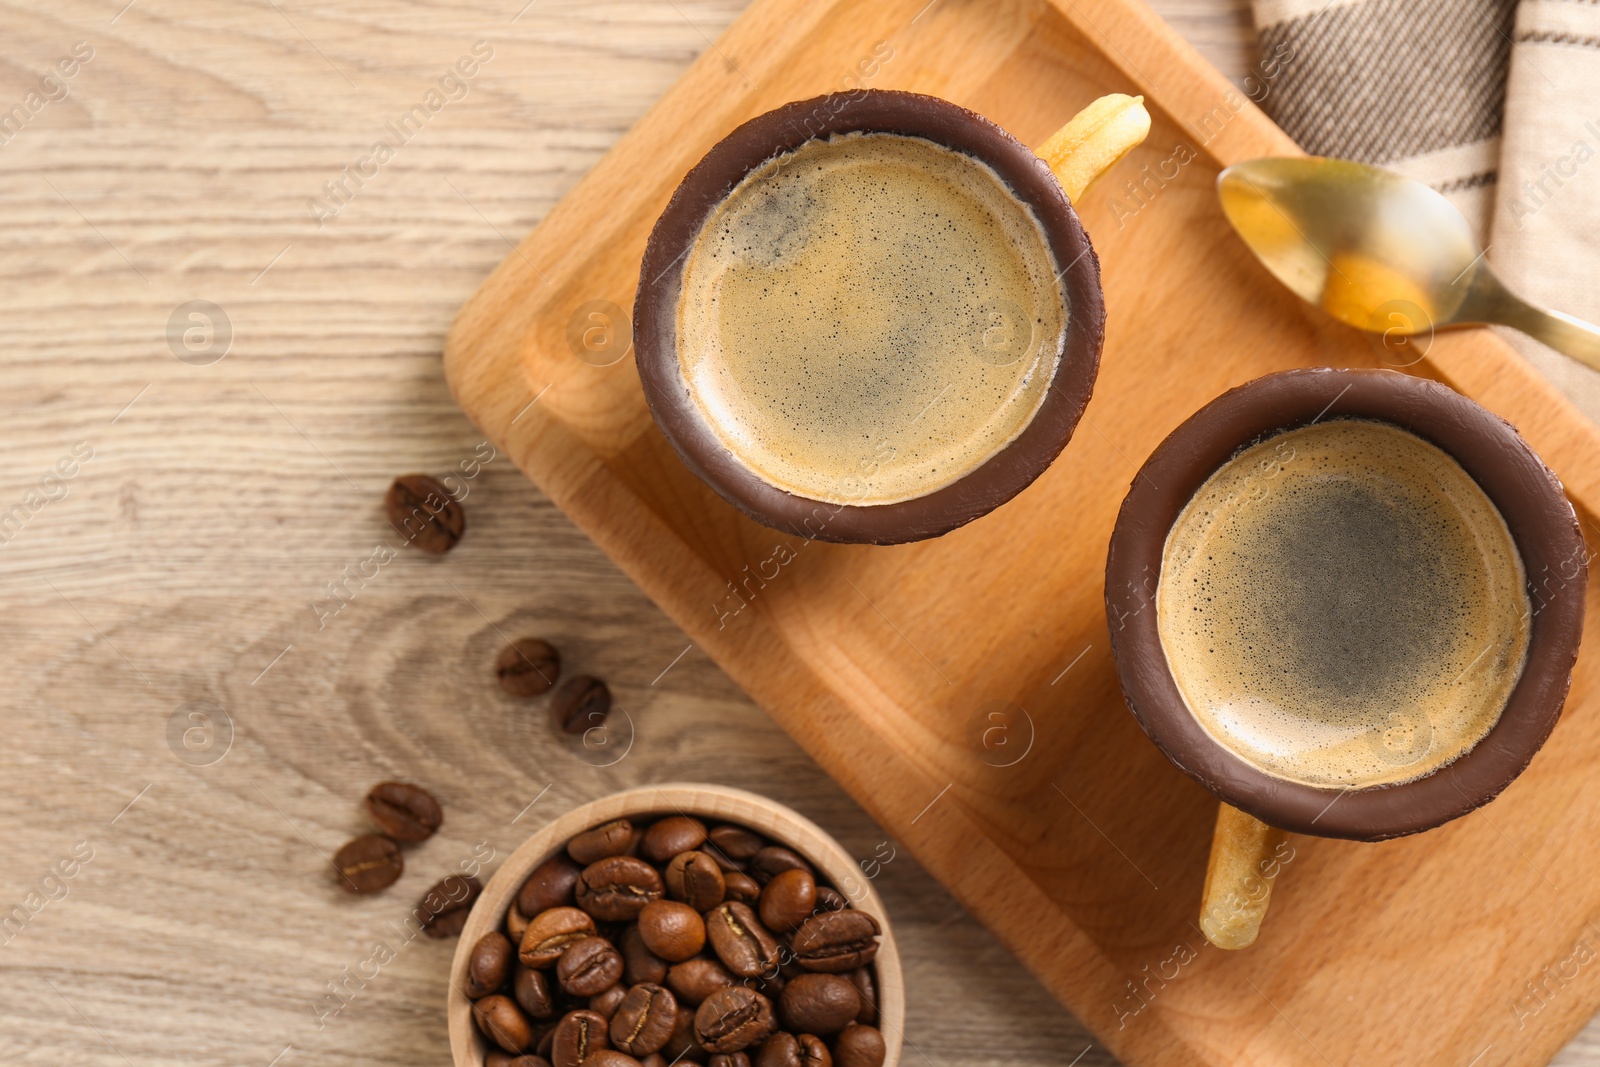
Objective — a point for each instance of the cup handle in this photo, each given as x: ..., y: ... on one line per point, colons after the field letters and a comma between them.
x: 1095, y: 139
x: 1239, y: 878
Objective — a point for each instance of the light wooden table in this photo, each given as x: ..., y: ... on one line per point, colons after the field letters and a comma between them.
x: 185, y: 567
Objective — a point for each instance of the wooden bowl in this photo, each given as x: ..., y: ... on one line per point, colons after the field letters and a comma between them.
x: 713, y: 803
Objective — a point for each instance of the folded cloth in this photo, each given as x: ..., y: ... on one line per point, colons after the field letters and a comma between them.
x: 1493, y: 103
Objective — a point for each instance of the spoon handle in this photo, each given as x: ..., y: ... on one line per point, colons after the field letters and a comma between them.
x: 1568, y: 335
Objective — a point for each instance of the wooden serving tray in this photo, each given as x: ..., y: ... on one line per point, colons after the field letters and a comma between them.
x: 962, y: 689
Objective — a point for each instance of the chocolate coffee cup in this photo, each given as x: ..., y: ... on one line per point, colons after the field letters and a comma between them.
x: 1527, y: 495
x: 1542, y: 527
x: 770, y: 141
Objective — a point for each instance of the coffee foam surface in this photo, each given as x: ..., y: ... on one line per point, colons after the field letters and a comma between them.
x: 1342, y: 605
x: 869, y: 318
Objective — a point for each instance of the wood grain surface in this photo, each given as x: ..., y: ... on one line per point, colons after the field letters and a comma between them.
x: 189, y: 560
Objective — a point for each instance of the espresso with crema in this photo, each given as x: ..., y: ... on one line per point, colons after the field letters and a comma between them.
x: 869, y: 318
x: 1342, y: 605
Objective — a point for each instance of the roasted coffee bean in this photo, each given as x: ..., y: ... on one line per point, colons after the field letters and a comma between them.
x: 655, y: 1059
x: 581, y: 704
x: 784, y: 1049
x: 527, y: 667
x: 617, y: 889
x: 589, y: 966
x: 682, y: 1044
x: 532, y: 990
x: 830, y: 899
x: 859, y: 1046
x: 695, y: 980
x: 369, y: 863
x: 553, y: 884
x: 732, y: 1019
x: 643, y: 1021
x: 606, y: 1002
x: 501, y: 1021
x: 867, y: 990
x: 549, y: 934
x: 495, y: 1058
x: 516, y: 923
x: 639, y: 964
x: 741, y: 887
x: 609, y: 839
x: 670, y: 836
x: 735, y: 842
x: 608, y: 1057
x: 489, y: 965
x: 729, y: 1059
x: 404, y: 812
x: 836, y: 941
x: 423, y: 512
x: 696, y: 879
x: 788, y: 900
x: 578, y: 1036
x: 818, y: 1004
x: 773, y: 859
x: 740, y: 941
x: 443, y: 910
x: 672, y: 930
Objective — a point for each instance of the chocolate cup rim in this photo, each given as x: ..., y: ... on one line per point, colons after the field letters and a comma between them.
x: 1528, y: 495
x: 997, y: 480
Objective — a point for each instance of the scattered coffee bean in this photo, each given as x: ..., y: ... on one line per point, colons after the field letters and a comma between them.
x: 818, y: 1004
x: 550, y: 932
x: 788, y: 900
x: 672, y: 930
x: 443, y: 909
x: 741, y: 887
x: 516, y: 923
x: 784, y: 1049
x: 423, y: 512
x: 369, y: 863
x: 606, y: 1003
x: 732, y: 1019
x: 581, y: 704
x: 528, y: 667
x: 495, y: 1058
x: 697, y: 880
x: 591, y: 965
x: 771, y: 860
x: 578, y: 1036
x: 836, y: 941
x: 616, y: 889
x: 615, y: 838
x: 743, y: 945
x: 670, y: 836
x: 404, y: 812
x: 682, y: 1044
x: 729, y: 1059
x: 532, y: 990
x: 500, y: 1020
x: 489, y: 965
x: 655, y: 1059
x: 553, y: 884
x: 859, y: 1046
x: 695, y: 980
x: 644, y: 1020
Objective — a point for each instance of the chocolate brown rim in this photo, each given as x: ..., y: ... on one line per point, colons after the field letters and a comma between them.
x: 999, y: 479
x: 1529, y: 497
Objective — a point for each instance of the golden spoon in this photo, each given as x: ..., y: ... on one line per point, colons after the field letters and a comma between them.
x: 1380, y: 252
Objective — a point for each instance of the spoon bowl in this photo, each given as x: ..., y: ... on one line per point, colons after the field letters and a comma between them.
x: 1379, y: 251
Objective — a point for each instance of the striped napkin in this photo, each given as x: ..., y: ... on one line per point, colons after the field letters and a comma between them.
x: 1495, y: 103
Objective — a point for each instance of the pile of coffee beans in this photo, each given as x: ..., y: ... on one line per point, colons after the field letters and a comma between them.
x: 649, y: 943
x: 373, y: 862
x: 531, y: 666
